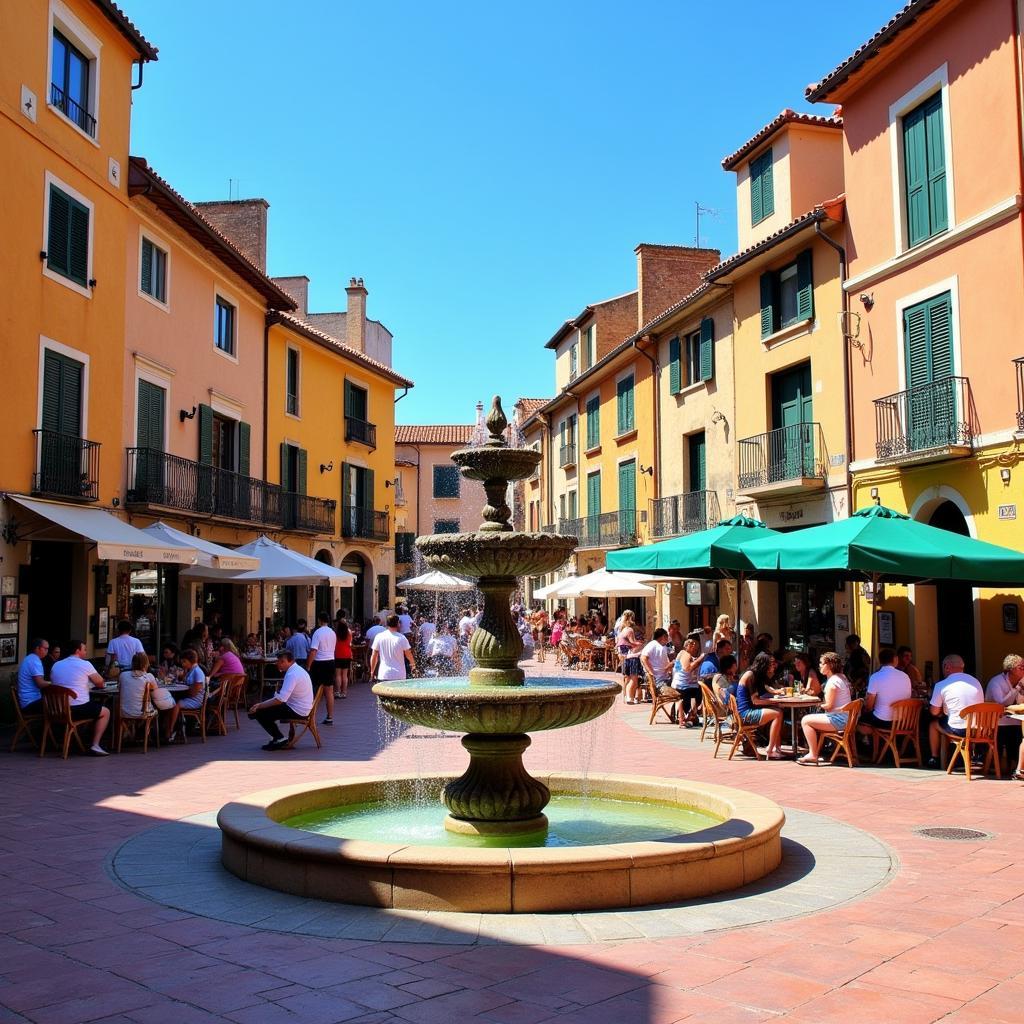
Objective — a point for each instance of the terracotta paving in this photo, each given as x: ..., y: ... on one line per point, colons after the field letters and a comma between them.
x: 940, y: 942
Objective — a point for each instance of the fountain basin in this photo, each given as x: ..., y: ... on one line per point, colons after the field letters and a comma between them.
x: 742, y: 848
x: 496, y: 554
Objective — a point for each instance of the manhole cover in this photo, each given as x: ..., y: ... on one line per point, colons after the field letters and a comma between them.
x: 952, y: 834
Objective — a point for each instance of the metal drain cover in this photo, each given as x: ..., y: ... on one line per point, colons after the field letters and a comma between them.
x: 952, y: 834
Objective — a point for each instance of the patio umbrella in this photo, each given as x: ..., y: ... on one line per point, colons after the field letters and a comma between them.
x: 209, y: 555
x: 602, y: 583
x: 439, y: 582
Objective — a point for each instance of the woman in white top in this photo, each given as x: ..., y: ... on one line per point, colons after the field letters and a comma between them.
x: 724, y: 630
x: 831, y: 719
x: 132, y: 687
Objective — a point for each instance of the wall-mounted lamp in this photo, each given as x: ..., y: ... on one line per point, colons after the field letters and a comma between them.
x: 874, y: 496
x: 649, y: 470
x: 183, y: 414
x: 327, y: 467
x: 718, y: 417
x: 868, y: 298
x: 389, y: 483
x: 1004, y: 475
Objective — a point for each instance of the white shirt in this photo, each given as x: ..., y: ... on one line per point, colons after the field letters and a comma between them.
x: 73, y: 672
x: 296, y: 690
x: 427, y: 630
x: 466, y: 625
x: 999, y: 691
x: 889, y: 684
x: 374, y: 631
x: 123, y: 648
x: 657, y: 657
x: 404, y: 623
x: 441, y: 645
x: 953, y: 694
x: 707, y: 642
x: 839, y: 685
x: 323, y: 643
x: 390, y: 648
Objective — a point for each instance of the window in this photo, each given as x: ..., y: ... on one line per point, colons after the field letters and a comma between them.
x: 446, y: 482
x: 625, y: 418
x: 691, y: 355
x: 697, y: 452
x: 153, y: 271
x: 933, y: 405
x: 291, y: 399
x: 224, y: 326
x: 594, y: 495
x: 404, y: 546
x: 574, y: 368
x: 762, y: 188
x: 294, y: 463
x: 593, y: 422
x: 787, y: 295
x: 356, y: 407
x: 446, y: 526
x: 67, y: 237
x: 924, y: 171
x: 590, y: 346
x: 152, y: 406
x: 223, y: 442
x: 70, y: 83
x: 63, y: 393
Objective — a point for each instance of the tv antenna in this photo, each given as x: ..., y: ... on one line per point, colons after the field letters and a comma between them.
x: 699, y: 211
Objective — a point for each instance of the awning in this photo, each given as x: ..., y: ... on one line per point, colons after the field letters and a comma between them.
x: 115, y: 540
x: 277, y: 565
x: 210, y: 555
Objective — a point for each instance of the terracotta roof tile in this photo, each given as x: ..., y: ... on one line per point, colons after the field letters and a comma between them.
x: 530, y: 405
x: 434, y: 433
x: 146, y: 50
x: 801, y: 222
x: 786, y: 117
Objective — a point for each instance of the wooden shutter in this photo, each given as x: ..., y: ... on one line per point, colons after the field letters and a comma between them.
x: 150, y: 428
x: 368, y: 491
x: 594, y: 494
x: 804, y: 286
x: 58, y: 230
x: 915, y: 334
x: 301, y: 465
x: 674, y: 371
x: 707, y: 348
x: 205, y: 435
x: 348, y: 399
x: 346, y: 485
x: 146, y: 270
x: 915, y: 174
x: 627, y: 486
x: 78, y: 244
x: 62, y: 394
x: 767, y: 304
x: 940, y: 336
x: 936, y: 165
x: 756, y: 202
x: 767, y: 185
x: 287, y: 484
x: 244, y: 437
x: 593, y: 422
x: 624, y: 390
x: 698, y: 462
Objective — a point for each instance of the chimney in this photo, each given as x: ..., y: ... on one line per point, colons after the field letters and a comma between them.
x: 355, y: 317
x: 298, y: 288
x: 667, y: 273
x: 243, y: 222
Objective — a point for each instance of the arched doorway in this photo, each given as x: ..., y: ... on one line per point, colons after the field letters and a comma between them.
x: 354, y: 599
x: 323, y: 592
x: 954, y: 602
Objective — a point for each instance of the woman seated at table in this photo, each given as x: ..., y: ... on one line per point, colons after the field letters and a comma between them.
x: 252, y: 646
x: 805, y: 675
x: 169, y: 667
x: 831, y: 719
x: 723, y: 682
x: 686, y: 680
x: 195, y: 679
x: 226, y: 663
x: 132, y: 685
x: 753, y: 701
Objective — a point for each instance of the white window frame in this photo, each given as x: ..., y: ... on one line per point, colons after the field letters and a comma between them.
x: 49, y: 178
x: 937, y: 81
x: 225, y: 296
x: 164, y: 247
x: 951, y: 285
x: 160, y: 376
x: 297, y: 415
x: 72, y: 353
x: 62, y: 19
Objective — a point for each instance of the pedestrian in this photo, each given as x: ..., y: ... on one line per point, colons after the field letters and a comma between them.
x: 320, y: 662
x: 391, y: 653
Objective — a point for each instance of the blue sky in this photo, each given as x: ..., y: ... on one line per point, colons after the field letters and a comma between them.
x: 486, y: 168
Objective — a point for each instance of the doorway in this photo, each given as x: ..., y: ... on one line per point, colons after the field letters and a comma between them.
x: 954, y: 602
x: 791, y: 451
x: 323, y: 591
x: 355, y: 599
x: 49, y: 605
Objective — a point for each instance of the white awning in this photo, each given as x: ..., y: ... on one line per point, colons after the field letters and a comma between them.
x: 115, y: 540
x: 210, y: 555
x: 278, y: 565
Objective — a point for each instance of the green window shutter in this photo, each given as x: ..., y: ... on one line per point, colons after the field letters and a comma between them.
x: 348, y: 399
x: 698, y: 461
x: 78, y: 244
x: 51, y: 391
x: 301, y: 461
x: 594, y: 494
x: 940, y: 336
x: 767, y: 304
x: 707, y: 348
x: 627, y: 486
x: 244, y: 437
x: 756, y: 203
x: 936, y: 154
x: 346, y: 485
x: 286, y: 476
x: 146, y: 270
x: 624, y: 394
x: 368, y: 489
x: 804, y: 286
x: 62, y: 394
x: 562, y: 434
x: 674, y: 369
x: 205, y: 435
x: 767, y: 185
x: 160, y: 275
x: 593, y: 422
x: 58, y: 231
x: 151, y: 416
x: 915, y: 334
x: 915, y: 173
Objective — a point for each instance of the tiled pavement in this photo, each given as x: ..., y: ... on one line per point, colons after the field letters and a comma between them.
x: 941, y: 941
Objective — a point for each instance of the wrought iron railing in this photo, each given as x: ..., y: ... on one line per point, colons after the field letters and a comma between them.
x: 304, y: 512
x: 361, y: 431
x: 72, y: 110
x: 787, y: 453
x: 567, y: 455
x: 364, y: 522
x: 67, y: 466
x: 604, y: 530
x: 1019, y: 366
x: 936, y: 415
x: 684, y: 513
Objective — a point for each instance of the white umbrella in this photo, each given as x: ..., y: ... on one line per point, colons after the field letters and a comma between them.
x: 602, y: 583
x: 439, y: 582
x: 210, y: 555
x: 557, y: 589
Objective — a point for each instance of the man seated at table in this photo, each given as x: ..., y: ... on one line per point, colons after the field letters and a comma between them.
x: 293, y: 700
x: 77, y: 674
x: 32, y: 679
x: 712, y: 663
x: 886, y: 686
x: 951, y: 695
x: 905, y: 663
x: 654, y: 658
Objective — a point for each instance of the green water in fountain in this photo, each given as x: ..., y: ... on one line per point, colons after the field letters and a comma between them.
x: 573, y: 821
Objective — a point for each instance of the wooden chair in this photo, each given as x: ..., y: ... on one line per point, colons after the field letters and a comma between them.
x: 198, y: 714
x: 236, y: 698
x: 717, y: 716
x: 307, y: 724
x: 982, y: 724
x: 905, y: 732
x: 229, y: 697
x: 660, y: 701
x: 743, y: 733
x: 57, y: 712
x: 845, y: 741
x: 23, y: 723
x: 124, y: 724
x: 589, y: 653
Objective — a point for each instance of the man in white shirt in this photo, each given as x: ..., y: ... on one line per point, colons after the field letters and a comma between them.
x: 404, y: 622
x: 1007, y: 688
x: 77, y: 674
x: 293, y: 700
x: 425, y: 630
x: 376, y: 629
x: 654, y: 658
x: 390, y: 652
x: 320, y: 661
x: 951, y: 695
x: 886, y: 686
x: 466, y: 626
x: 32, y: 678
x: 123, y: 647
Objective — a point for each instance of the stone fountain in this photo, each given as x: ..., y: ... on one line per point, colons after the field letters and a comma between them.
x: 497, y: 710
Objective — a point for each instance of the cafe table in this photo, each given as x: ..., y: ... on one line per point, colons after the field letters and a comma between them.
x: 793, y: 705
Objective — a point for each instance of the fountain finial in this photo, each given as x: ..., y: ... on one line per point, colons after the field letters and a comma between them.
x: 496, y: 423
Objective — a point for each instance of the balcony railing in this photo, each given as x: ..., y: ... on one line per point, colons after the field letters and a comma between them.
x: 606, y: 530
x: 364, y: 522
x: 1019, y: 366
x: 361, y: 431
x: 927, y: 418
x: 567, y: 455
x: 684, y: 513
x: 72, y: 110
x: 67, y: 466
x: 304, y: 512
x: 781, y: 457
x: 169, y: 481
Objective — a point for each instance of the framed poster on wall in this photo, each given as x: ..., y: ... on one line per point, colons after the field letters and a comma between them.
x: 11, y: 608
x: 886, y: 629
x: 8, y: 650
x: 102, y: 627
x: 8, y: 585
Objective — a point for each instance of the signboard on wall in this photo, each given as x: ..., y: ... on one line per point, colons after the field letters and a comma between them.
x: 701, y: 593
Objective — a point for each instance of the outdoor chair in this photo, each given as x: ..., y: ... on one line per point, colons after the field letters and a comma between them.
x: 845, y: 741
x: 982, y: 724
x: 229, y: 697
x: 236, y: 698
x: 307, y: 724
x: 23, y: 723
x: 125, y: 724
x: 589, y: 653
x: 717, y: 716
x: 197, y: 715
x: 661, y: 701
x: 905, y: 733
x: 57, y: 712
x: 743, y: 733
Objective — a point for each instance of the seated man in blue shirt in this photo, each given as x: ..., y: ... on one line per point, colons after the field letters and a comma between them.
x: 32, y: 679
x: 712, y: 663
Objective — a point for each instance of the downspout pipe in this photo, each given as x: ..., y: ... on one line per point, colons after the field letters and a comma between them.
x: 1015, y: 16
x: 266, y: 391
x: 405, y: 391
x: 546, y: 420
x: 656, y: 378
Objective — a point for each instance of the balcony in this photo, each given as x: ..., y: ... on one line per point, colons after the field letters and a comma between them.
x: 1019, y: 365
x: 606, y: 530
x: 67, y: 466
x: 160, y: 480
x: 360, y: 431
x: 567, y: 455
x: 684, y: 513
x: 928, y: 423
x: 787, y: 460
x: 365, y: 523
x: 72, y: 111
x: 307, y: 514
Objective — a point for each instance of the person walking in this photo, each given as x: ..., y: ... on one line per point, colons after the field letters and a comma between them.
x: 391, y: 653
x: 323, y: 646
